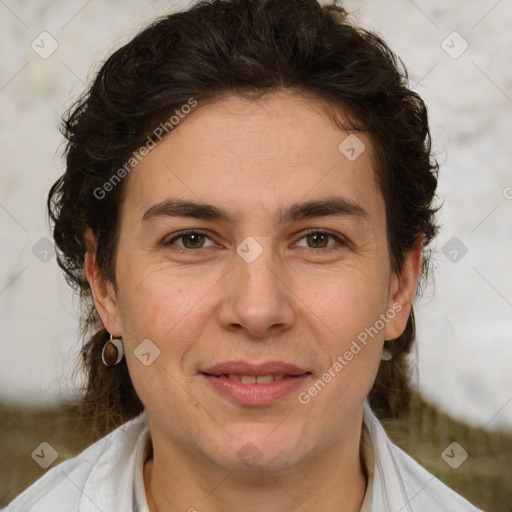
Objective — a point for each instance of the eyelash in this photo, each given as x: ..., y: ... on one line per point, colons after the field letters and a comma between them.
x: 182, y: 234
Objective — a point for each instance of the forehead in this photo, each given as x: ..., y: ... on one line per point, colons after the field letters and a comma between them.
x: 255, y: 156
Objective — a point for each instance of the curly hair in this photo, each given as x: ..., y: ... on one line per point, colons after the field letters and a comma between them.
x: 247, y: 47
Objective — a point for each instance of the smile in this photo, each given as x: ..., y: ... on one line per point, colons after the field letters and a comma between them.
x: 254, y: 384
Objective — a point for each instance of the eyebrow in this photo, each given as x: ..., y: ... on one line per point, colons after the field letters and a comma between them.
x: 330, y: 206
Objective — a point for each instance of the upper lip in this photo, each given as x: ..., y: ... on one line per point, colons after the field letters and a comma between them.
x: 256, y: 370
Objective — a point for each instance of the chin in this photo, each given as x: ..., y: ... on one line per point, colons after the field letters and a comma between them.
x: 259, y: 454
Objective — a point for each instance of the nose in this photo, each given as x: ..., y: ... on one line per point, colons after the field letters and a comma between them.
x: 256, y: 298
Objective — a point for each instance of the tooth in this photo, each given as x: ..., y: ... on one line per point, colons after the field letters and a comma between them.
x: 265, y: 379
x: 222, y: 376
x: 250, y: 379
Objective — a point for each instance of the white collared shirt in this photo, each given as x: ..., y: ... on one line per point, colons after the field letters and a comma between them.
x: 108, y: 476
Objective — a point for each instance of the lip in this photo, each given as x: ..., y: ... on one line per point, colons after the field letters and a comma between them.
x: 255, y: 394
x: 244, y: 368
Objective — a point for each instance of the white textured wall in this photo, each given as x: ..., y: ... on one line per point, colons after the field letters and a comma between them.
x: 464, y: 351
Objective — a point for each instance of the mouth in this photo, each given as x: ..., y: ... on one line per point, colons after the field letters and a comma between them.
x: 252, y: 379
x: 249, y: 384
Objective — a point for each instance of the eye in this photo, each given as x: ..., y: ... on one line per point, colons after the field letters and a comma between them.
x: 190, y: 240
x: 196, y: 240
x: 316, y: 239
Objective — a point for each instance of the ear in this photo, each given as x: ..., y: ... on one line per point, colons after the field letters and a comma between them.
x: 103, y: 292
x: 402, y: 292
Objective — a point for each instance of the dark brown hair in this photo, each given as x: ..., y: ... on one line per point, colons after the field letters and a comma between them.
x: 247, y: 47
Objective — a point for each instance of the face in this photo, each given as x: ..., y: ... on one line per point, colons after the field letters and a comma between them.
x: 272, y: 272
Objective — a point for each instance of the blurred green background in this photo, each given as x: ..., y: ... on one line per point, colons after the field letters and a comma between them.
x: 485, y: 478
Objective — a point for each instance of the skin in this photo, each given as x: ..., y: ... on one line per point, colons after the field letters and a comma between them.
x: 297, y: 302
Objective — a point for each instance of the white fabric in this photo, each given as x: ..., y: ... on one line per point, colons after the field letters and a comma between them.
x: 107, y: 477
x: 140, y: 502
x: 369, y: 462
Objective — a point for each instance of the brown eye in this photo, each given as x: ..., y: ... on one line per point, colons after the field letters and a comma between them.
x: 320, y: 240
x: 193, y: 240
x: 189, y: 240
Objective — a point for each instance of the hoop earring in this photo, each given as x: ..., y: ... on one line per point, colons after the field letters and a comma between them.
x: 112, y: 351
x: 386, y: 354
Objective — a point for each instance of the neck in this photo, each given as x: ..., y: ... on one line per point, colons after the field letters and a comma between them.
x: 331, y: 481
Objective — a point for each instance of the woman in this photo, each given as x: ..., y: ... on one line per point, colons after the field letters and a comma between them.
x: 247, y: 207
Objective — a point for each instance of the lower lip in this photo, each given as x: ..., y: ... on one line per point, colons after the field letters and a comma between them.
x: 256, y: 394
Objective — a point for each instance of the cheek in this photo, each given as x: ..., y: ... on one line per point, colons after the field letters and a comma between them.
x: 167, y: 310
x: 353, y: 300
x: 351, y: 307
x: 157, y: 304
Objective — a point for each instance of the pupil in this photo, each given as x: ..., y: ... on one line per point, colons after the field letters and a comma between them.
x: 318, y: 239
x: 196, y: 240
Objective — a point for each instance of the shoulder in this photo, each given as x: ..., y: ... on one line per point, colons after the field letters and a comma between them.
x: 86, y: 480
x: 400, y: 483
